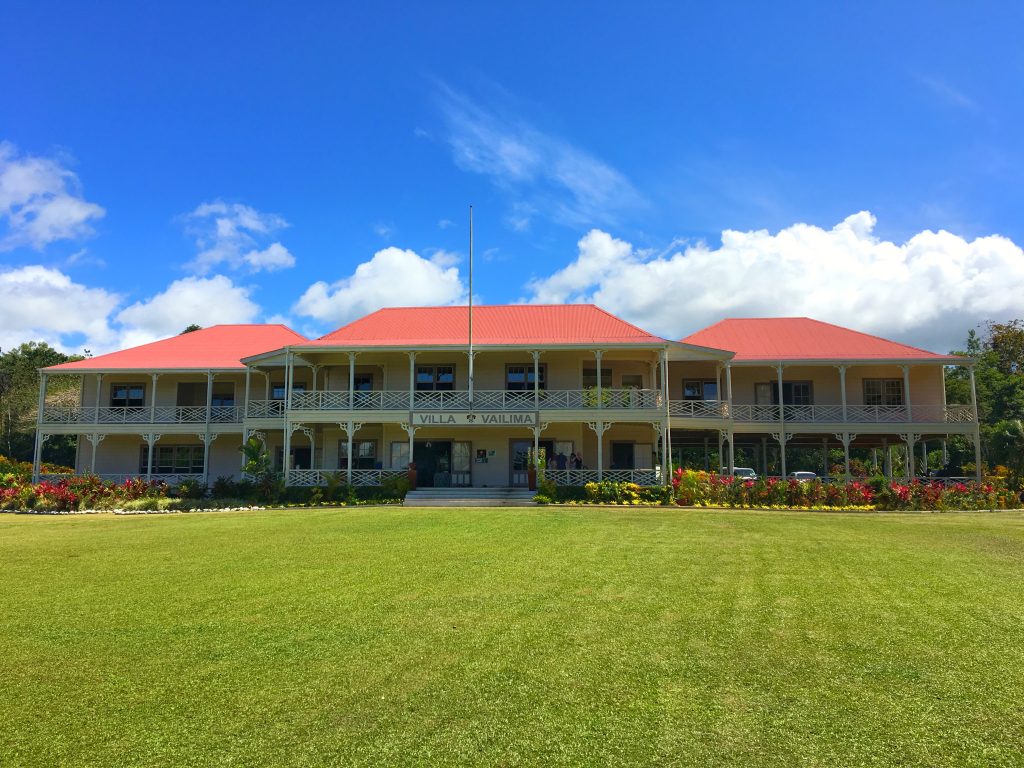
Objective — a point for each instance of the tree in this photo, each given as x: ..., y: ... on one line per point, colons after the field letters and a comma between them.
x: 190, y: 328
x: 19, y: 397
x: 999, y: 381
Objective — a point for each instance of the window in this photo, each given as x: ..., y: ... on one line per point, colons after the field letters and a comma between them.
x: 191, y: 393
x: 694, y: 389
x: 435, y: 378
x: 883, y: 392
x: 172, y: 459
x: 362, y: 382
x: 793, y: 393
x: 519, y: 378
x: 223, y: 393
x: 127, y: 395
x: 632, y: 381
x: 364, y: 454
x: 277, y: 390
x: 400, y: 455
x: 590, y: 378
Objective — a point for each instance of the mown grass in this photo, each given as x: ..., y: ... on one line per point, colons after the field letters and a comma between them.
x: 512, y: 637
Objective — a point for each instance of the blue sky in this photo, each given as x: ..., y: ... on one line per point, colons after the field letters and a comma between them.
x: 219, y: 162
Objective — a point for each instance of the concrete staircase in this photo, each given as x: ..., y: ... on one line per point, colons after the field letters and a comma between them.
x: 470, y: 497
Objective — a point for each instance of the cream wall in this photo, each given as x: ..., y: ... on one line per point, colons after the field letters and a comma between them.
x: 166, y: 387
x: 120, y: 454
x: 564, y: 369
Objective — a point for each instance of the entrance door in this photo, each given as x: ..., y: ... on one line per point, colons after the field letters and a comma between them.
x: 622, y: 456
x: 433, y: 463
x: 519, y: 460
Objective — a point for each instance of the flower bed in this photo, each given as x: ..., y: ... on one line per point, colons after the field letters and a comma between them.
x: 691, y: 488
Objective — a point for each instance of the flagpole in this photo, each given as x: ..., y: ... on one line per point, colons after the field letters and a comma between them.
x: 471, y: 307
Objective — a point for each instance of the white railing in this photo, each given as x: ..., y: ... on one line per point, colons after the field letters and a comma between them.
x: 162, y: 414
x: 960, y: 414
x: 698, y: 409
x: 306, y: 478
x: 455, y: 400
x: 812, y: 413
x: 458, y: 400
x: 266, y: 409
x: 855, y: 414
x: 756, y: 413
x: 584, y: 476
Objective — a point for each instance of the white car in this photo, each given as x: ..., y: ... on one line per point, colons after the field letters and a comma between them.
x: 803, y: 477
x: 745, y: 473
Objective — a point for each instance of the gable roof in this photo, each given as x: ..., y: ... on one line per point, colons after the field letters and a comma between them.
x: 802, y: 338
x: 515, y: 324
x: 218, y: 347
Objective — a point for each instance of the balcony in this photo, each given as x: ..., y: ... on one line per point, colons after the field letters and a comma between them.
x: 162, y: 414
x: 458, y: 400
x: 854, y: 414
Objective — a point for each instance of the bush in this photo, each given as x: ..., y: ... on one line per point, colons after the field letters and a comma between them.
x: 611, y: 492
x: 190, y: 489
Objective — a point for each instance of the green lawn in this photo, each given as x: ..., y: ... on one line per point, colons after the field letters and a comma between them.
x: 512, y: 637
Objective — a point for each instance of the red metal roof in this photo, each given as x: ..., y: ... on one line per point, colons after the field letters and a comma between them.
x: 801, y: 338
x: 492, y: 325
x: 217, y: 347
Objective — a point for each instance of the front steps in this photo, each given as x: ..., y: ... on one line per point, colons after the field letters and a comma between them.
x: 470, y: 497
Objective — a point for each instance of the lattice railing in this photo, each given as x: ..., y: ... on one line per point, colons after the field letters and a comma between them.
x: 876, y: 414
x: 584, y: 476
x: 698, y: 409
x: 960, y: 414
x: 756, y: 413
x: 305, y: 478
x: 266, y: 409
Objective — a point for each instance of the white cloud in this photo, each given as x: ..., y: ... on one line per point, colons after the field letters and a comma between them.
x: 927, y: 291
x: 542, y: 172
x: 232, y: 233
x: 384, y: 230
x: 444, y: 223
x: 42, y: 304
x: 203, y: 300
x: 393, y: 277
x: 274, y: 256
x: 41, y: 201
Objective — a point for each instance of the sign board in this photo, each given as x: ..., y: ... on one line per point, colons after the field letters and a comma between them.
x: 442, y: 419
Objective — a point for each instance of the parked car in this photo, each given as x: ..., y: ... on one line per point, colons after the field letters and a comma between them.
x: 803, y: 477
x: 744, y: 472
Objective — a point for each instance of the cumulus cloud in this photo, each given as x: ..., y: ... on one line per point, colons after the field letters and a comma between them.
x: 232, y: 234
x: 393, y: 277
x: 41, y: 201
x: 203, y: 300
x: 926, y: 291
x: 542, y: 172
x: 42, y: 304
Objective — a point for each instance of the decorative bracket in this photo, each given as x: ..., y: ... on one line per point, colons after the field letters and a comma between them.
x: 538, y: 429
x: 350, y: 427
x: 909, y: 438
x: 845, y: 437
x: 308, y: 432
x: 151, y: 437
x: 204, y: 437
x: 782, y: 437
x: 600, y: 427
x: 410, y: 430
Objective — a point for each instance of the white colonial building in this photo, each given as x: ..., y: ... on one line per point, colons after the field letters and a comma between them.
x: 603, y: 398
